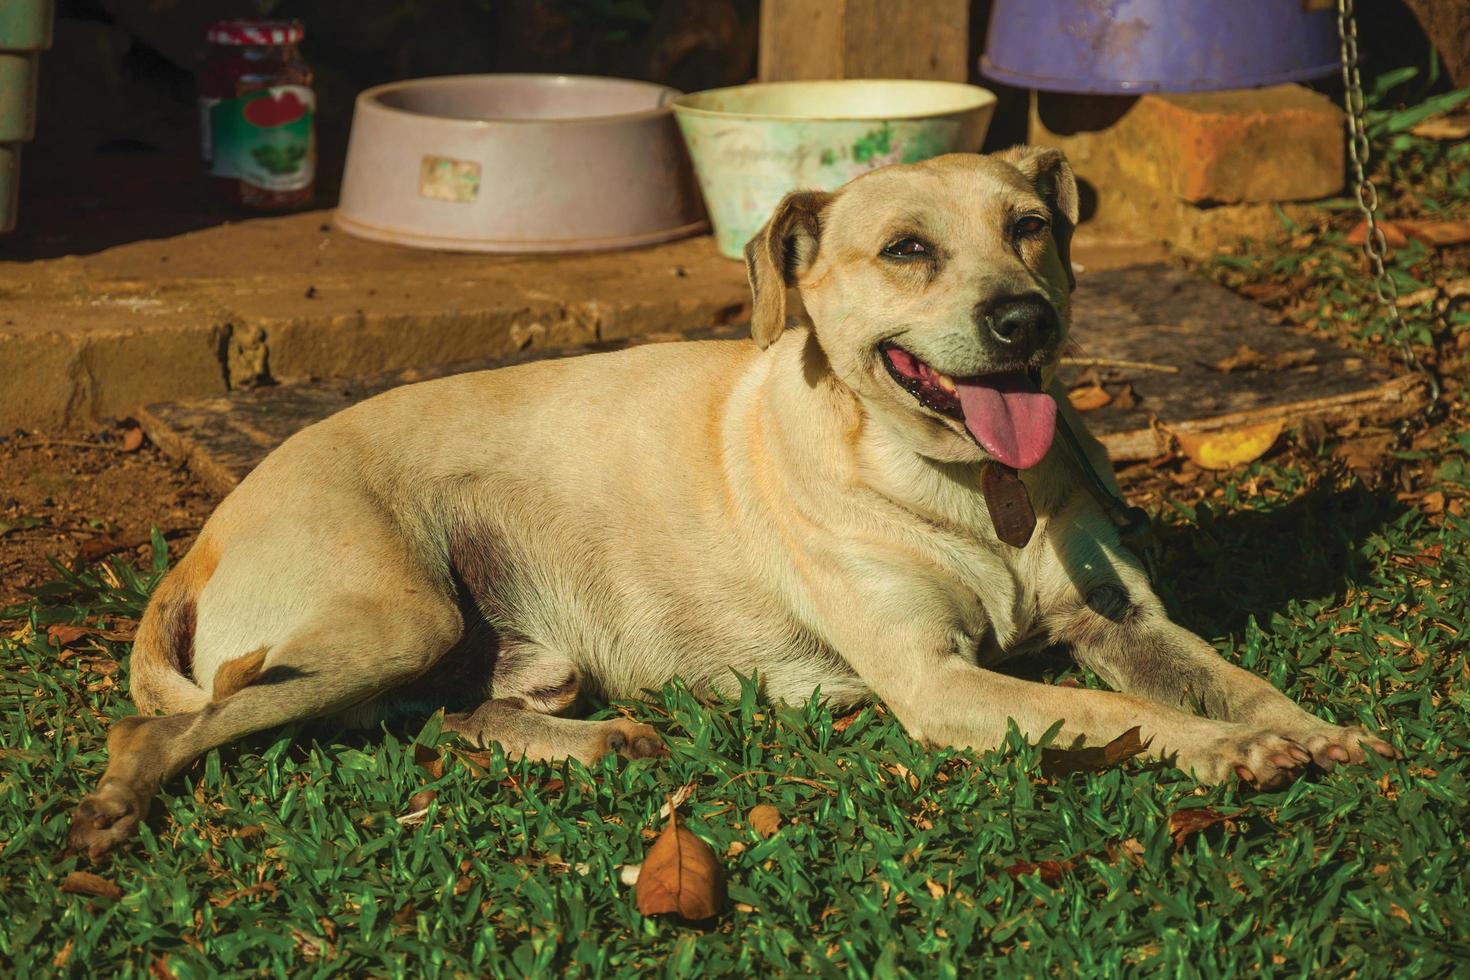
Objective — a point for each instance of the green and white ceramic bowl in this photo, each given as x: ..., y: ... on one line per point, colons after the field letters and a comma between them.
x: 752, y: 143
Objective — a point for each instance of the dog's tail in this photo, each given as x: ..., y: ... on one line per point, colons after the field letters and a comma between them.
x: 163, y: 652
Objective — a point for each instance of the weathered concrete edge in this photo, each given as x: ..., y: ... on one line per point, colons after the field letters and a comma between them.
x: 59, y: 380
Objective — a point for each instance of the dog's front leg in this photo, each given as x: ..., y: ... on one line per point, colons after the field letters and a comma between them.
x: 1097, y: 600
x: 917, y: 661
x: 1129, y: 641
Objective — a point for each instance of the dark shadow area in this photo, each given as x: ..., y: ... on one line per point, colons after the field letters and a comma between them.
x: 1068, y: 115
x: 1228, y: 568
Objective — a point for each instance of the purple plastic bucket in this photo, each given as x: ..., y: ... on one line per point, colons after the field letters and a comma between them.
x: 1131, y: 46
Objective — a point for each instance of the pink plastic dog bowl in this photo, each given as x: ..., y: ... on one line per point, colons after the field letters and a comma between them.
x: 518, y: 163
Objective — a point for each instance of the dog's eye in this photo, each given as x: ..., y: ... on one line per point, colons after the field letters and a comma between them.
x: 906, y: 248
x: 1030, y: 225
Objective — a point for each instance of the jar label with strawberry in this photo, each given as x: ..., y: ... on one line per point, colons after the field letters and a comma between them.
x: 263, y: 137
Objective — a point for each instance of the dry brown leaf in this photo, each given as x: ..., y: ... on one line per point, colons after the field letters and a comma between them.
x: 421, y: 800
x: 1393, y: 236
x: 845, y: 722
x: 107, y: 544
x: 1126, y: 398
x: 63, y: 635
x: 1089, y: 398
x: 429, y: 760
x: 1247, y: 358
x: 1234, y: 447
x: 1426, y: 295
x: 1449, y: 126
x: 132, y: 440
x: 1063, y: 762
x: 764, y: 819
x: 681, y: 875
x: 1437, y: 232
x: 1051, y: 872
x: 86, y: 883
x: 903, y: 772
x: 936, y: 890
x: 1396, y: 234
x: 477, y: 762
x: 1184, y: 824
x: 1266, y: 292
x: 1365, y: 452
x: 1433, y: 502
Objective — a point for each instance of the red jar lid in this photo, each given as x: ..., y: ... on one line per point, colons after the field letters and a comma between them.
x: 244, y: 33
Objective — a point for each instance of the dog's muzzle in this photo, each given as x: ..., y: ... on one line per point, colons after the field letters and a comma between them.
x: 1018, y: 327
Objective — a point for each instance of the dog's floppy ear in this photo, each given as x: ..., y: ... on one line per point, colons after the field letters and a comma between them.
x: 779, y: 253
x: 1047, y: 169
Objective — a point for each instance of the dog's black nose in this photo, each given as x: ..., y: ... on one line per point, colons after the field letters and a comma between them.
x: 1021, y: 325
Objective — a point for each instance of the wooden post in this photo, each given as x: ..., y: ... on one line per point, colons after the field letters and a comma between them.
x: 808, y: 39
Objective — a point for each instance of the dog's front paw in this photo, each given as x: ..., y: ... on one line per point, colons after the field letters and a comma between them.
x: 1331, y: 744
x: 1264, y: 759
x: 104, y: 819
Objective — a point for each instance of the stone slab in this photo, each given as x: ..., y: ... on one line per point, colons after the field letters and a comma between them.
x: 1152, y: 327
x: 282, y: 299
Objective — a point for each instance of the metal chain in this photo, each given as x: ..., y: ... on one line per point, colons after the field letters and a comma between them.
x: 1375, y: 246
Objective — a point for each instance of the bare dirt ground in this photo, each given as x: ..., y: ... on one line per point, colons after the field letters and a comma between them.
x: 83, y: 497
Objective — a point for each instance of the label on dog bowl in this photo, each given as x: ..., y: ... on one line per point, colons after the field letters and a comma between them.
x: 448, y: 179
x: 263, y: 137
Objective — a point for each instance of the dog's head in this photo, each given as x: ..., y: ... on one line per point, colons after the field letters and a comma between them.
x: 939, y: 293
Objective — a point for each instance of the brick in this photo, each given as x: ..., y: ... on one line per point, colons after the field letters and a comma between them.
x: 1283, y: 143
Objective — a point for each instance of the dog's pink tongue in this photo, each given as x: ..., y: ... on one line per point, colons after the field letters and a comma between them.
x: 1010, y: 417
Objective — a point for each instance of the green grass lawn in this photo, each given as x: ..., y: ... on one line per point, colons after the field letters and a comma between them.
x: 285, y: 854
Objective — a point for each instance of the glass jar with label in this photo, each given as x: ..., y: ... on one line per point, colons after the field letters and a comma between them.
x: 257, y: 110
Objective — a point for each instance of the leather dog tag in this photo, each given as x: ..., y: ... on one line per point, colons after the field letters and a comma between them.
x: 1008, y: 502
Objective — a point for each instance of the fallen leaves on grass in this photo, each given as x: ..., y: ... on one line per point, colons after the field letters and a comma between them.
x: 1233, y: 447
x: 132, y: 440
x: 1056, y: 763
x: 1050, y: 872
x: 680, y: 875
x: 64, y: 635
x: 1397, y: 234
x: 764, y: 819
x: 86, y: 883
x: 1184, y: 824
x: 418, y: 807
x: 1449, y: 126
x: 1365, y: 453
x: 429, y: 760
x: 106, y: 545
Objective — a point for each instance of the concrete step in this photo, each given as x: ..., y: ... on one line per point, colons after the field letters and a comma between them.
x: 283, y: 299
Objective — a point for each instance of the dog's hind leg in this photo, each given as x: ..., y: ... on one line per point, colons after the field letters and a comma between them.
x: 530, y: 686
x: 366, y: 649
x: 528, y: 733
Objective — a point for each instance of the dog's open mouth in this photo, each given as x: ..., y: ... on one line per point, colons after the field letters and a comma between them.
x: 1007, y: 414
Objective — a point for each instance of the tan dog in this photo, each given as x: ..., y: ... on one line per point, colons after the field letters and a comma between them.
x: 804, y: 508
